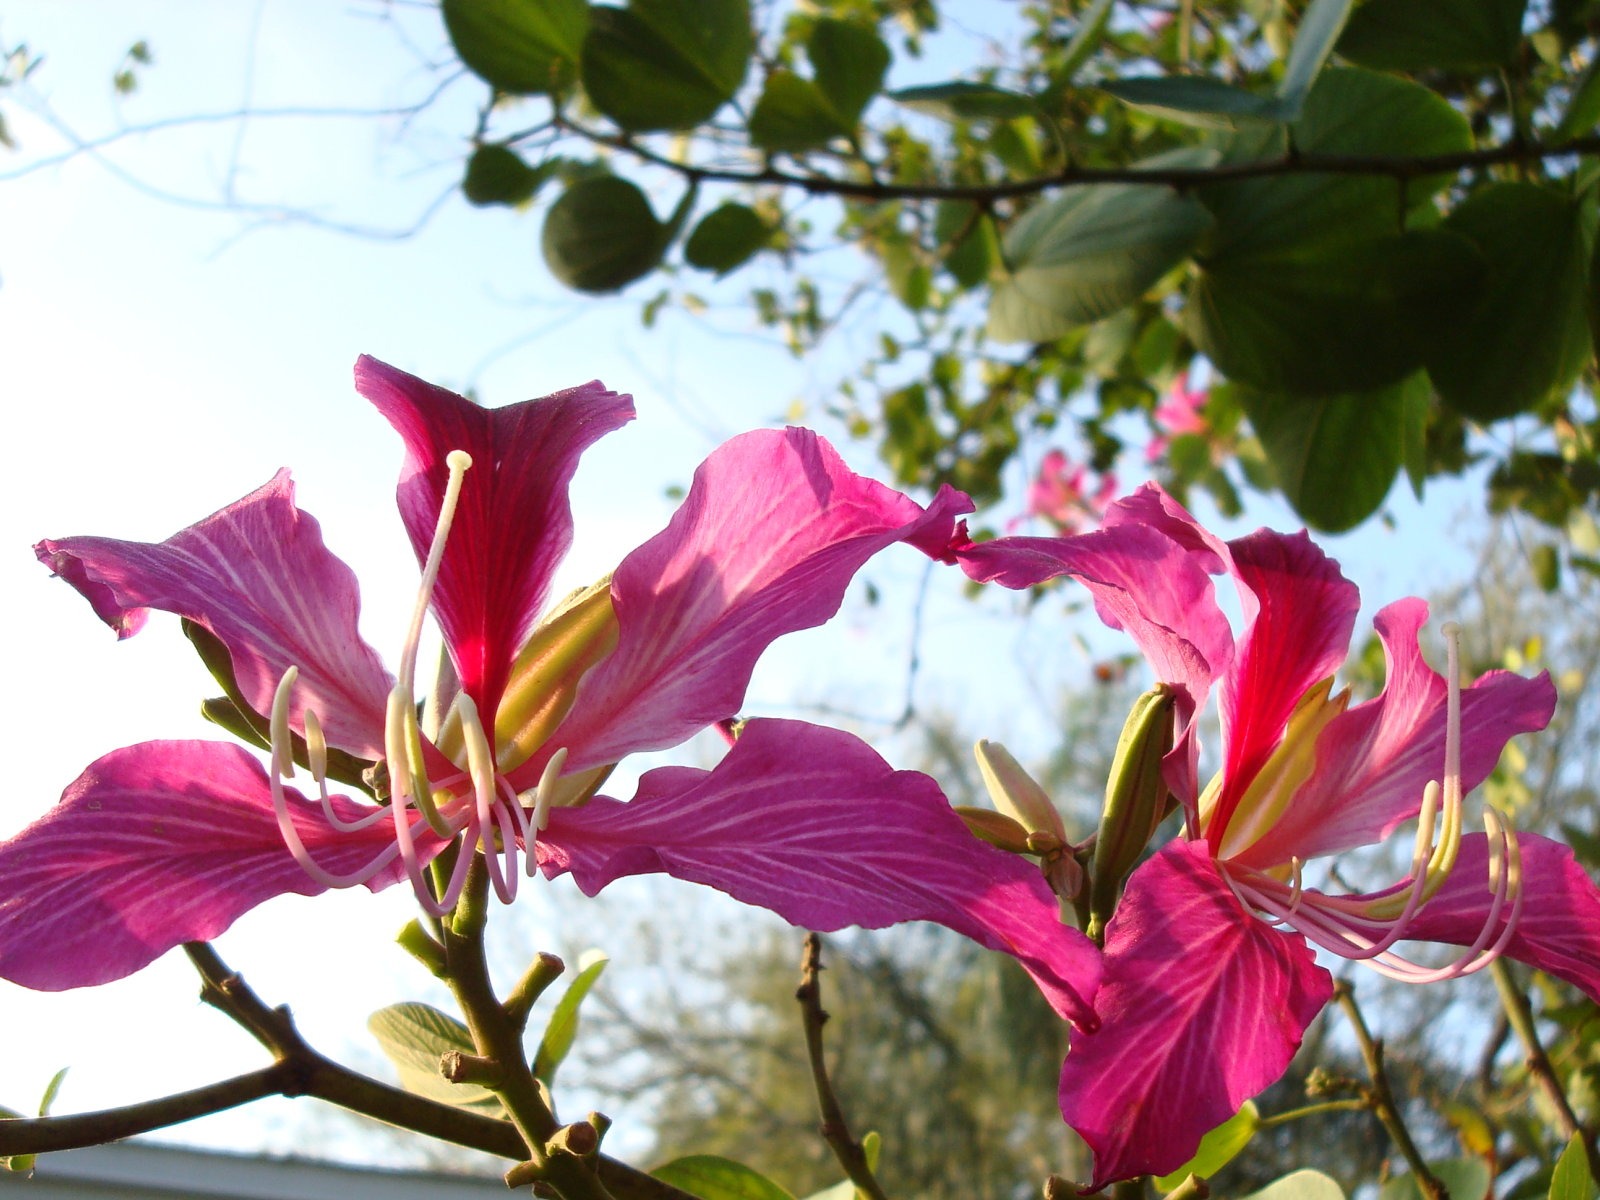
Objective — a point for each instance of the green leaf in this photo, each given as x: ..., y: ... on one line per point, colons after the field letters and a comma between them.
x: 601, y: 235
x: 1463, y: 1178
x: 726, y: 238
x: 1452, y: 35
x: 1414, y: 437
x: 971, y: 245
x: 1522, y: 335
x: 1300, y: 1185
x: 519, y: 46
x: 848, y: 60
x: 1583, y: 111
x: 51, y: 1091
x: 562, y: 1029
x: 414, y: 1037
x: 714, y: 1178
x: 1328, y: 319
x: 793, y: 115
x: 964, y: 101
x: 1087, y: 253
x: 1218, y: 1148
x: 1571, y: 1179
x: 1319, y: 29
x: 1195, y: 100
x: 666, y: 64
x: 1335, y: 457
x: 1305, y: 287
x: 496, y: 175
x: 1085, y: 40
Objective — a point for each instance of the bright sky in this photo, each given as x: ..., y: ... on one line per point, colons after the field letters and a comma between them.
x: 162, y: 359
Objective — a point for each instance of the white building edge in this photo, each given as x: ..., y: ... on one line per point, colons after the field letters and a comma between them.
x: 143, y: 1171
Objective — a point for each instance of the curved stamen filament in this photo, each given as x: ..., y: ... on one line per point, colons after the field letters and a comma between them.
x: 480, y: 767
x: 544, y: 794
x: 282, y: 767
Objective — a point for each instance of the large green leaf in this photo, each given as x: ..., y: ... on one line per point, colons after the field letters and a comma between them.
x: 1523, y: 334
x: 601, y: 235
x: 1195, y: 100
x: 1335, y: 457
x: 1306, y: 285
x: 562, y: 1028
x: 1087, y: 253
x: 714, y: 1178
x: 1331, y: 318
x: 414, y: 1037
x: 519, y: 46
x: 666, y: 64
x: 1413, y: 35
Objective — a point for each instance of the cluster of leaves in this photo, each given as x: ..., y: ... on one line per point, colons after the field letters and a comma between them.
x: 1376, y: 223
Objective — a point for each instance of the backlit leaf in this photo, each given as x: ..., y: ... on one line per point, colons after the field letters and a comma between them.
x: 414, y: 1037
x: 562, y: 1029
x: 726, y: 238
x: 519, y: 46
x: 1412, y: 35
x: 1195, y: 100
x: 714, y: 1178
x: 601, y: 235
x: 965, y: 101
x: 666, y: 64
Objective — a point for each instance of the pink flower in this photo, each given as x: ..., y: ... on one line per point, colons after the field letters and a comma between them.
x: 166, y: 842
x: 1210, y: 974
x: 1059, y: 494
x: 1178, y: 414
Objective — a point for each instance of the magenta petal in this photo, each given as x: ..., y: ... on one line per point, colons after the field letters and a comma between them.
x: 810, y: 823
x: 1559, y: 930
x: 769, y: 537
x: 1202, y: 1006
x: 513, y: 524
x: 1374, y: 761
x: 153, y: 845
x: 259, y: 577
x: 1299, y: 611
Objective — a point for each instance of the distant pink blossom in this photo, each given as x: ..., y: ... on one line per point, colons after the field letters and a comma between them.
x: 1210, y: 973
x: 1178, y: 414
x: 1059, y: 494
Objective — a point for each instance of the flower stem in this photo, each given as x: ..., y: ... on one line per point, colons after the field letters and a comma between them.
x: 1380, y: 1098
x: 851, y: 1154
x: 1519, y: 1013
x: 1312, y: 1110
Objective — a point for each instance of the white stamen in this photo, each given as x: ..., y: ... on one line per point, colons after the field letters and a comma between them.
x: 545, y: 793
x: 480, y: 766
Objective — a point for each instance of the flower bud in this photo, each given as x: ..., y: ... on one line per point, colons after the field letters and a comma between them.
x: 1137, y: 799
x: 996, y: 828
x: 1015, y: 793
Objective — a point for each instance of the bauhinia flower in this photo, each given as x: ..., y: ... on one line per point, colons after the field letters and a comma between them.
x: 1211, y: 975
x: 1060, y: 494
x: 1181, y: 412
x: 166, y: 842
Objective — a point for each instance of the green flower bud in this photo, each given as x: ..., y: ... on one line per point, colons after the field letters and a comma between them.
x: 1137, y: 800
x: 1015, y: 793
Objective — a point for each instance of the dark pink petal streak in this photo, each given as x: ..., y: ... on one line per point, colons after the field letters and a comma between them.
x: 1202, y: 1006
x: 153, y: 845
x: 513, y: 524
x: 810, y: 823
x: 772, y: 531
x: 259, y: 577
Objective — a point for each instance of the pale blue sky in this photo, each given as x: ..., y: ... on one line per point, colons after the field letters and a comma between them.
x: 163, y: 358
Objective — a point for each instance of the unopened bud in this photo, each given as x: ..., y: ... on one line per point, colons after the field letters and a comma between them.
x: 1015, y: 793
x: 995, y: 828
x: 1137, y: 800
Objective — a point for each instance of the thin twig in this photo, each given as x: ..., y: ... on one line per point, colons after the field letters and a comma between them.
x: 1519, y: 1013
x: 1380, y: 1097
x: 851, y: 1154
x: 298, y: 1071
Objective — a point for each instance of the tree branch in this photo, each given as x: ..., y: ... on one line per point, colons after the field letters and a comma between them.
x: 835, y: 1128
